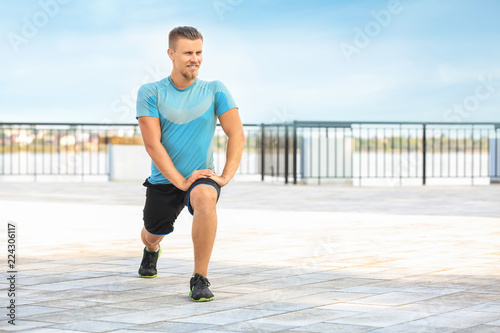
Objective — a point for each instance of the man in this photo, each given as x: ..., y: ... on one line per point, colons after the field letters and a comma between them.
x: 177, y: 117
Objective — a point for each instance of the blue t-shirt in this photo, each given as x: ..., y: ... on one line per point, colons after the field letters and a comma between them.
x: 188, y: 118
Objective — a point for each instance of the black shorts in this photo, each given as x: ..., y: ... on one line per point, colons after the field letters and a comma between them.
x: 164, y: 202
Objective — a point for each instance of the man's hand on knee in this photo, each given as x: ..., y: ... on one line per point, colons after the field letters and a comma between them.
x: 197, y: 174
x: 221, y: 180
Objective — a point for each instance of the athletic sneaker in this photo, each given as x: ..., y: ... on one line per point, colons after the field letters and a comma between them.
x: 199, y: 289
x: 148, y: 264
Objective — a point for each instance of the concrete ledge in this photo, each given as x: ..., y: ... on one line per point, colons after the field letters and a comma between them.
x: 128, y: 162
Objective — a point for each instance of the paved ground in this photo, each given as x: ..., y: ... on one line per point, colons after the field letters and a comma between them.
x: 287, y: 259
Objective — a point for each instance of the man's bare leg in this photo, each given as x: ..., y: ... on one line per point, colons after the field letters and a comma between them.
x: 152, y: 242
x: 150, y: 255
x: 203, y: 200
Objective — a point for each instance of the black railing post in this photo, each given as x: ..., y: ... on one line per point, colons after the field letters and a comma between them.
x: 286, y: 153
x: 262, y: 151
x: 295, y: 152
x: 424, y: 154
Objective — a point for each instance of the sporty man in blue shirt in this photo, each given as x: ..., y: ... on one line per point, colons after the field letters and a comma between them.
x: 177, y: 117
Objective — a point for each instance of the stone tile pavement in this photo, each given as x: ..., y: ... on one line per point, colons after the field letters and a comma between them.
x: 287, y: 259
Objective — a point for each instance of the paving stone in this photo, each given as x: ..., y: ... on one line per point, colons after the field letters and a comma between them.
x: 394, y: 298
x: 169, y: 326
x: 67, y: 304
x: 113, y: 287
x: 465, y: 298
x: 424, y: 306
x: 343, y: 283
x: 77, y: 314
x: 353, y: 307
x: 228, y: 316
x: 92, y: 326
x: 457, y: 319
x: 382, y: 318
x: 495, y: 323
x: 480, y: 329
x: 251, y: 326
x: 128, y: 330
x: 66, y: 285
x: 30, y: 310
x: 21, y: 325
x: 213, y: 331
x: 305, y: 317
x: 281, y: 306
x: 328, y: 297
x: 157, y: 315
x: 50, y: 330
x: 27, y: 280
x: 331, y: 327
x: 413, y: 329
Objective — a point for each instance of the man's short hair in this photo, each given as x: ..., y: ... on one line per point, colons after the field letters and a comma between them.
x: 182, y: 32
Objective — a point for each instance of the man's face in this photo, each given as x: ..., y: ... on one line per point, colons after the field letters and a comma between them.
x: 187, y: 57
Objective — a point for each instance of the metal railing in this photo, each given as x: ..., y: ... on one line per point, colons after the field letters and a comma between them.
x: 49, y: 149
x: 82, y: 150
x: 299, y: 152
x: 250, y: 162
x: 364, y: 151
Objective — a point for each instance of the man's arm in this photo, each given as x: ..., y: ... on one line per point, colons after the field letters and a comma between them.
x: 151, y: 135
x: 231, y: 124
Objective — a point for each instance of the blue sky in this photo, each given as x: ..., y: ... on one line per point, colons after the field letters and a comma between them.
x: 407, y: 60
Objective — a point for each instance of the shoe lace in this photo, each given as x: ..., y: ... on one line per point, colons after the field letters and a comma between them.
x: 148, y: 259
x: 204, y: 280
